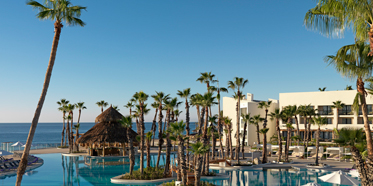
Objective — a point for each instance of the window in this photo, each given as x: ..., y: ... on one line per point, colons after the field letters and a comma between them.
x: 346, y: 121
x: 329, y: 120
x: 346, y: 110
x: 243, y: 110
x: 325, y: 110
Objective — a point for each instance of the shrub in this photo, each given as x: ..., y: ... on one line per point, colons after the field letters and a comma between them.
x: 150, y: 173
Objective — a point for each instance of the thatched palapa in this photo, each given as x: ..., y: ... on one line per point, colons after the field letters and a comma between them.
x: 108, y: 132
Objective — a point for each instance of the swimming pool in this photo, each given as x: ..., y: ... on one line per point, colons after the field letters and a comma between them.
x: 72, y: 171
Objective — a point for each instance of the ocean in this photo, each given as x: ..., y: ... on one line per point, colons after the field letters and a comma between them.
x: 49, y: 132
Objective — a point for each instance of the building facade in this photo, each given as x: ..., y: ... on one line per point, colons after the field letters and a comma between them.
x: 323, y: 102
x: 248, y: 105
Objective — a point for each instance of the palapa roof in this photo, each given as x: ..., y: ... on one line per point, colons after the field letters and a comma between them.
x: 108, y: 129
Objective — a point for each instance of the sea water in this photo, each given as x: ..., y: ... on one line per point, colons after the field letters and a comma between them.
x: 50, y: 132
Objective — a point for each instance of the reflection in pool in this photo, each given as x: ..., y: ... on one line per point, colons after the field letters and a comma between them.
x: 79, y: 171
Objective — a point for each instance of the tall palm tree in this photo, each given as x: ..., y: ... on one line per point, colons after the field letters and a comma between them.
x: 159, y: 97
x: 80, y: 106
x: 130, y: 105
x: 126, y: 122
x: 218, y: 90
x: 186, y: 94
x: 337, y: 105
x: 355, y: 138
x: 177, y: 113
x: 155, y: 105
x: 62, y: 108
x: 102, y: 104
x: 246, y: 119
x: 311, y: 112
x: 212, y: 121
x: 264, y: 105
x: 288, y: 112
x: 331, y: 18
x: 148, y: 140
x: 141, y: 97
x: 208, y: 78
x: 302, y: 111
x: 169, y: 104
x: 116, y: 107
x: 198, y: 149
x: 322, y: 89
x: 319, y: 121
x: 255, y: 121
x: 58, y: 11
x: 352, y: 61
x: 278, y: 115
x: 195, y: 100
x: 228, y: 125
x: 264, y: 131
x: 289, y: 127
x: 176, y: 130
x: 206, y: 102
x: 70, y: 109
x: 237, y: 85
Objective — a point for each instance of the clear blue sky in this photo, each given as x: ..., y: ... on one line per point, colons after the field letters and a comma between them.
x: 160, y: 45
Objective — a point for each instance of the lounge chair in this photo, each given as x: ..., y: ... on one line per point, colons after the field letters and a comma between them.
x: 314, y: 155
x: 333, y: 157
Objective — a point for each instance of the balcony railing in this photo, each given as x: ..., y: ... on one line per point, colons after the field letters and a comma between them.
x: 345, y: 113
x: 370, y: 112
x: 321, y: 112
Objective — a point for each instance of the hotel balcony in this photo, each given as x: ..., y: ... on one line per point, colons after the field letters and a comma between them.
x: 327, y: 112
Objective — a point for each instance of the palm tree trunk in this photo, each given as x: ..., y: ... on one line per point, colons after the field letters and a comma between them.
x: 160, y: 138
x: 71, y: 140
x: 243, y: 141
x: 63, y: 129
x: 279, y: 140
x: 206, y: 142
x: 317, y: 146
x: 178, y: 164
x: 336, y: 126
x: 77, y: 137
x: 153, y: 125
x: 296, y: 121
x: 368, y: 134
x: 264, y: 154
x: 227, y: 142
x: 131, y: 152
x: 148, y: 153
x: 197, y: 172
x: 23, y: 164
x: 142, y: 128
x: 68, y: 132
x: 182, y: 161
x: 102, y: 109
x: 361, y: 166
x: 305, y: 130
x: 238, y: 128
x: 187, y: 128
x: 168, y: 148
x: 213, y: 144
x: 257, y: 133
x: 220, y: 127
x: 230, y: 142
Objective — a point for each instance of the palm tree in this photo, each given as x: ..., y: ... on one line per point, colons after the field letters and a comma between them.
x: 58, y: 11
x: 319, y: 121
x: 331, y: 18
x: 208, y: 78
x: 127, y: 123
x: 177, y: 129
x: 228, y: 125
x: 264, y: 132
x: 198, y: 149
x: 130, y: 105
x: 278, y: 115
x: 218, y: 90
x: 337, y: 105
x: 80, y: 106
x: 302, y: 111
x: 76, y: 128
x: 289, y: 127
x: 246, y: 119
x: 177, y: 113
x: 186, y: 94
x: 352, y: 61
x: 116, y: 107
x: 265, y: 105
x: 70, y: 108
x: 322, y: 89
x: 255, y: 121
x: 195, y: 100
x: 355, y: 138
x: 212, y: 121
x: 237, y: 85
x: 169, y: 104
x: 155, y: 105
x: 288, y: 113
x: 141, y: 97
x: 102, y: 104
x: 349, y: 87
x: 159, y: 97
x: 148, y: 140
x: 206, y: 102
x: 310, y: 112
x: 62, y: 108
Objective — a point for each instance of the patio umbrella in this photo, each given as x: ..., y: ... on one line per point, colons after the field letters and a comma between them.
x: 340, y: 178
x: 311, y: 184
x: 5, y: 153
x: 354, y: 173
x: 18, y: 143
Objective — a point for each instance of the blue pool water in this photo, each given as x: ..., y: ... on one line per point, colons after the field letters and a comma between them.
x: 72, y: 171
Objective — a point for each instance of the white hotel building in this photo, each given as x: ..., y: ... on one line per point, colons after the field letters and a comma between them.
x: 322, y: 101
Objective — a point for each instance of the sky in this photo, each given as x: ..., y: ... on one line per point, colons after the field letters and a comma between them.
x: 160, y: 45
